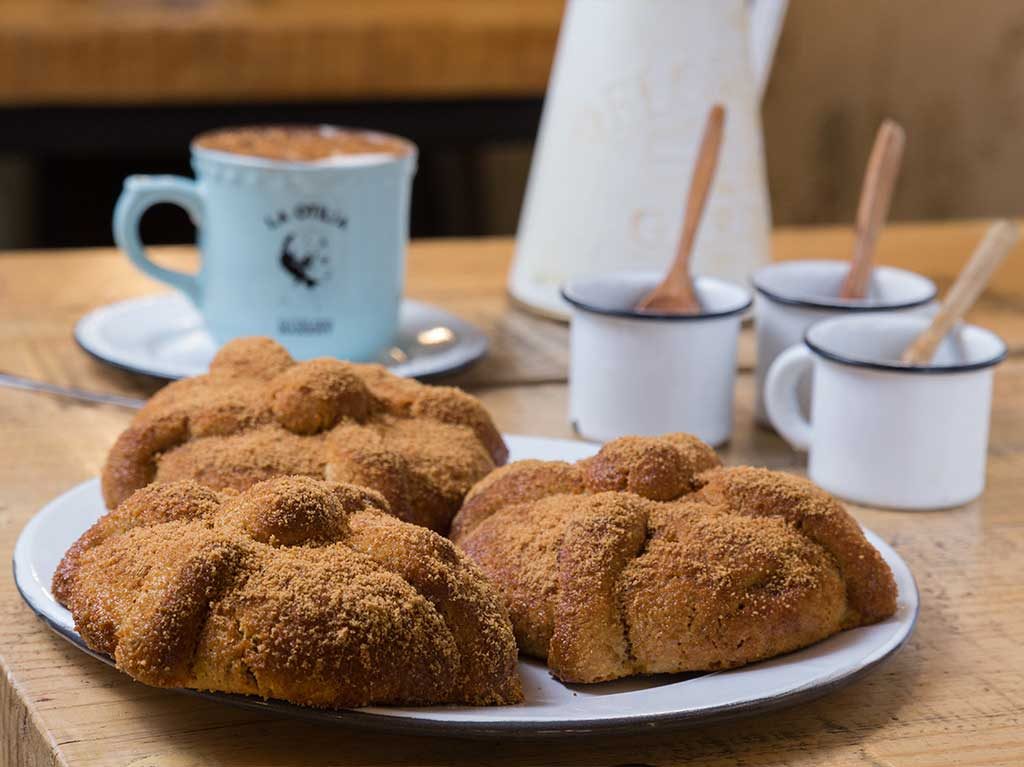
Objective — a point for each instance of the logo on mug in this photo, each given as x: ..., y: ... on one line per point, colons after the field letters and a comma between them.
x: 305, y: 251
x: 306, y: 257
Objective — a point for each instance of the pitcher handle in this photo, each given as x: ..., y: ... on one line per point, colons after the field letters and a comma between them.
x: 141, y: 193
x: 765, y: 17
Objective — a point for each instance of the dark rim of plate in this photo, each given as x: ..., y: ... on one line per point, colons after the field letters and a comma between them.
x: 510, y: 729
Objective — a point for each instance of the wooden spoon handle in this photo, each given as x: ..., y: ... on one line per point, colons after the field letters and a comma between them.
x: 675, y: 293
x: 875, y: 196
x: 700, y: 185
x: 997, y: 243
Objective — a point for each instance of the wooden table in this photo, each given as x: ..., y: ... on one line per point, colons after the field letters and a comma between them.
x: 953, y: 695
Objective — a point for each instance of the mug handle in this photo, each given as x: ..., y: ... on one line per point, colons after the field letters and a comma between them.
x: 141, y: 193
x: 781, y: 395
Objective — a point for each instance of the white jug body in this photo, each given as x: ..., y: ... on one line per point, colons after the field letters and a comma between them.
x: 629, y: 94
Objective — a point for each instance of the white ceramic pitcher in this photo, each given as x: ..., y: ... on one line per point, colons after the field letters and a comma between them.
x: 630, y: 89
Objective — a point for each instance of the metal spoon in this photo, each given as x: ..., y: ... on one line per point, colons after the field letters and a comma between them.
x: 27, y: 384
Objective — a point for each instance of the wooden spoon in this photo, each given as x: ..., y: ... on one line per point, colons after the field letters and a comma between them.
x: 675, y: 294
x: 998, y: 241
x: 875, y: 196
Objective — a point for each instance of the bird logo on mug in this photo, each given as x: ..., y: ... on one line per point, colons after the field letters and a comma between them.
x: 306, y: 257
x: 305, y: 250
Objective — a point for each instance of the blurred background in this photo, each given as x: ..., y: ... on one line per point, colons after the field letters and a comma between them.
x: 92, y: 90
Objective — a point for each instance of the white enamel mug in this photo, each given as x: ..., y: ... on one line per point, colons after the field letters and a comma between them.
x: 882, y: 433
x: 793, y: 295
x: 647, y: 374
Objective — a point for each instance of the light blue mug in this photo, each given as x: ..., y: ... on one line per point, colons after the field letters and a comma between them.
x: 309, y: 253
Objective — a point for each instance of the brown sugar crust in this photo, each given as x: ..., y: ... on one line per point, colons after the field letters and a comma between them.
x: 870, y: 588
x: 258, y: 414
x: 655, y: 467
x: 296, y: 589
x: 652, y: 558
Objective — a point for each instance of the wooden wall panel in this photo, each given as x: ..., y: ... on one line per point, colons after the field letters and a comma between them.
x: 952, y: 71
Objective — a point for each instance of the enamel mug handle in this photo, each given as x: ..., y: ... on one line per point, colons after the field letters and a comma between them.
x: 781, y: 398
x: 141, y: 193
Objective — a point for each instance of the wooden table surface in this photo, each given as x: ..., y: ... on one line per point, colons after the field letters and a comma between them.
x: 954, y: 695
x: 87, y: 52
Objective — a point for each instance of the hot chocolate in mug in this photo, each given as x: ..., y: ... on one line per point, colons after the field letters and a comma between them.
x: 301, y: 230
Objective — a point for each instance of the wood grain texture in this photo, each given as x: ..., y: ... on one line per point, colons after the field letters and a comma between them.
x: 954, y: 695
x: 226, y: 51
x: 950, y: 72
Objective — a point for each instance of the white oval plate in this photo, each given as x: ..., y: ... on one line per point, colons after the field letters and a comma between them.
x: 551, y: 708
x: 163, y: 336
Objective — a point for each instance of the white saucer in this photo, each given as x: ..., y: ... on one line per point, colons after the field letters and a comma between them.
x: 551, y: 708
x: 163, y: 336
